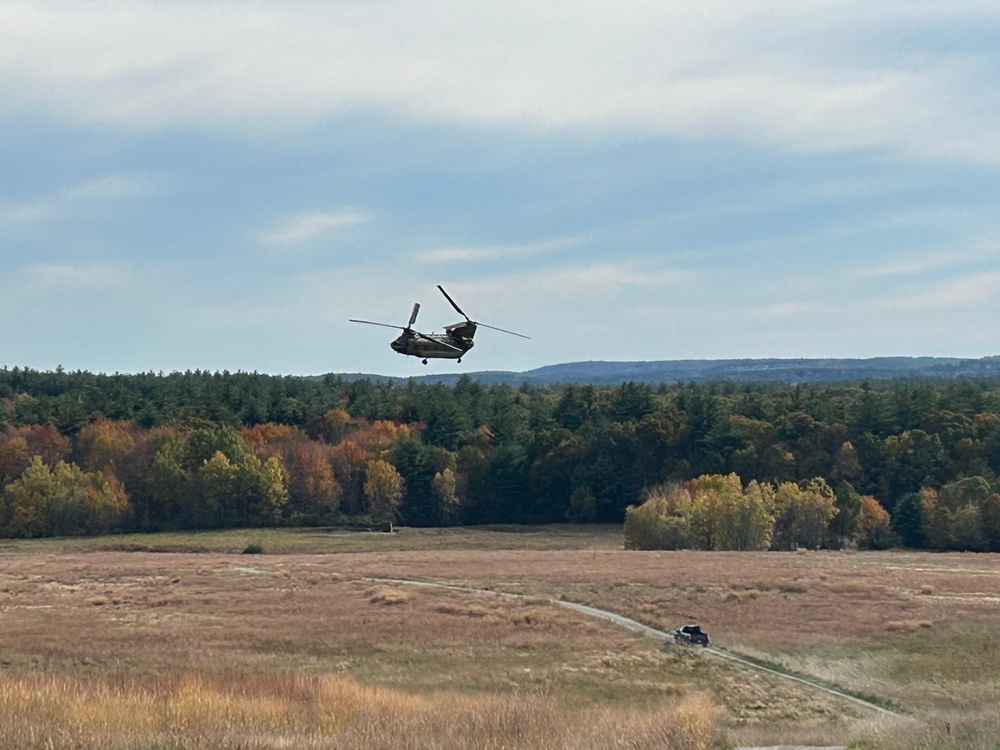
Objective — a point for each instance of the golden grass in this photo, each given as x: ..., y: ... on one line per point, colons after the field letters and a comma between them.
x: 321, y: 615
x: 976, y: 730
x: 916, y: 629
x: 245, y: 710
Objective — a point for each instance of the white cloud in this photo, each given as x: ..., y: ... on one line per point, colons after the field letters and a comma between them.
x: 608, y: 277
x: 977, y: 289
x: 69, y: 275
x: 574, y: 281
x: 82, y: 196
x: 984, y: 250
x: 308, y: 226
x: 908, y: 266
x: 449, y: 254
x: 829, y: 74
x: 784, y: 309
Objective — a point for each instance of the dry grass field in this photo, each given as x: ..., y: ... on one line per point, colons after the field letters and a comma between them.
x: 112, y: 643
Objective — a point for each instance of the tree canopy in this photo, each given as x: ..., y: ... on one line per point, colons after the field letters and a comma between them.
x: 761, y: 464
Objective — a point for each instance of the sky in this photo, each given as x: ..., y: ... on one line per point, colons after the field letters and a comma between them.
x: 223, y: 185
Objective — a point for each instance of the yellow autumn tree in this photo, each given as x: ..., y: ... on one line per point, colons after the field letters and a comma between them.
x: 662, y: 520
x: 874, y: 528
x: 383, y: 490
x: 63, y: 500
x: 802, y: 514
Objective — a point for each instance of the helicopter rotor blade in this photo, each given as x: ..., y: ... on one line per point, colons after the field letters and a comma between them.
x: 503, y: 330
x: 373, y: 323
x: 413, y: 315
x: 447, y: 297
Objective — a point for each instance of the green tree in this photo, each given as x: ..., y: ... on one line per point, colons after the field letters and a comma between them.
x: 576, y: 406
x: 330, y: 426
x: 845, y: 522
x: 509, y: 473
x: 582, y: 505
x: 167, y: 487
x: 559, y: 456
x: 914, y: 460
x: 846, y: 464
x: 989, y: 515
x: 961, y: 515
x: 632, y: 401
x: 908, y: 520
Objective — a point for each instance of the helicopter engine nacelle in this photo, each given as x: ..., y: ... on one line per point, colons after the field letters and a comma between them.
x: 462, y: 330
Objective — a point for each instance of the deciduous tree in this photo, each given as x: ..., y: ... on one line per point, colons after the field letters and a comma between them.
x: 383, y: 490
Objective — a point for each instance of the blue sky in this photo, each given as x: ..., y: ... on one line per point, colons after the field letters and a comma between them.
x: 221, y: 185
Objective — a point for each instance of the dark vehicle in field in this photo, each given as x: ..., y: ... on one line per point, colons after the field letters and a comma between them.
x: 691, y: 635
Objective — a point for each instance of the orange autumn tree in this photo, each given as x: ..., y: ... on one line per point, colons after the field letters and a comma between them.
x: 104, y: 445
x: 348, y: 460
x: 18, y: 445
x: 314, y: 494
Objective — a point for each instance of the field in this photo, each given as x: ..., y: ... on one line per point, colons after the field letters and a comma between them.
x: 181, y: 641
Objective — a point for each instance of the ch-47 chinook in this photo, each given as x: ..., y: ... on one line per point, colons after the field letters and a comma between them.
x: 452, y: 344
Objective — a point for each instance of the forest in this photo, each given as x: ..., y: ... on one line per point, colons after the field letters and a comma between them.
x: 720, y: 465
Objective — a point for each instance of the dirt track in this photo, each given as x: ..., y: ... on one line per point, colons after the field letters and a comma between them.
x: 646, y: 630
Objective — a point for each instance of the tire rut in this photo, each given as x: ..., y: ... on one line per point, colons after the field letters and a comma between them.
x: 637, y: 627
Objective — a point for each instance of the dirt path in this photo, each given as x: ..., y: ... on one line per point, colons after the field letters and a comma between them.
x: 646, y: 630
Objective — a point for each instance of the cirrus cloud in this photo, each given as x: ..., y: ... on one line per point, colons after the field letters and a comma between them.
x: 827, y: 75
x: 73, y: 198
x: 308, y: 226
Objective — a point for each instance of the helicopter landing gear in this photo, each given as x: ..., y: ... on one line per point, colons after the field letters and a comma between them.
x: 425, y: 361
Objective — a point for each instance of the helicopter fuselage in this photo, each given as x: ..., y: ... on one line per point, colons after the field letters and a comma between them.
x: 432, y: 345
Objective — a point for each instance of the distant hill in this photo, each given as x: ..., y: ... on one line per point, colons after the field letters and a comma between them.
x: 747, y: 370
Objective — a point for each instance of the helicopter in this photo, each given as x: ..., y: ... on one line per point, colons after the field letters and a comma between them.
x: 452, y: 344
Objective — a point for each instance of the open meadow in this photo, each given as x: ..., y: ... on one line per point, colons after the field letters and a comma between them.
x: 178, y: 640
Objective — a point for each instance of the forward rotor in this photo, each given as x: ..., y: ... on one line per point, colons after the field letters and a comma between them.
x: 407, y: 328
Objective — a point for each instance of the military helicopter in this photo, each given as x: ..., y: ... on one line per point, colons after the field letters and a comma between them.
x: 452, y: 344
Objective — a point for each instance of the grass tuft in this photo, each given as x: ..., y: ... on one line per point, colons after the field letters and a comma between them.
x: 237, y: 709
x: 389, y: 596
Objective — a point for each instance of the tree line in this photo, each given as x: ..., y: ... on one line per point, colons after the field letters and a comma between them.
x: 715, y: 512
x: 88, y: 453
